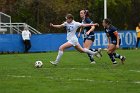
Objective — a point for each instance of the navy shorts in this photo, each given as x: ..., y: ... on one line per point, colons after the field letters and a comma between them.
x: 89, y: 37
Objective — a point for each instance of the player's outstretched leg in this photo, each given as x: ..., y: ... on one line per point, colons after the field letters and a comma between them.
x: 60, y: 53
x: 85, y: 50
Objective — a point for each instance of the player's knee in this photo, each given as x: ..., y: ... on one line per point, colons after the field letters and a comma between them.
x: 61, y: 48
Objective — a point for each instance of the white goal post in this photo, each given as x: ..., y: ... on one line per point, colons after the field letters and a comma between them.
x: 105, y: 9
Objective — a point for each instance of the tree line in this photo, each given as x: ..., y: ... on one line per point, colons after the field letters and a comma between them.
x: 125, y: 14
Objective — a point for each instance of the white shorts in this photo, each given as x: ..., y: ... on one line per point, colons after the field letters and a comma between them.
x: 74, y: 41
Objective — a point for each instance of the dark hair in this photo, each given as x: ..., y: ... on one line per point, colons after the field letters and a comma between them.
x: 108, y: 21
x: 86, y: 13
x: 69, y: 16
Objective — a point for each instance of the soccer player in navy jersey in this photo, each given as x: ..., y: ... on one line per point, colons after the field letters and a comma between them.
x: 113, y: 41
x: 88, y: 34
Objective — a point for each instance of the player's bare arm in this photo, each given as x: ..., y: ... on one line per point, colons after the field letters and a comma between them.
x: 86, y: 25
x: 56, y: 26
x: 91, y: 30
x: 80, y: 31
x: 117, y: 36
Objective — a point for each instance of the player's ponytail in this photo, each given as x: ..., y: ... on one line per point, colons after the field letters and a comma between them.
x: 86, y: 13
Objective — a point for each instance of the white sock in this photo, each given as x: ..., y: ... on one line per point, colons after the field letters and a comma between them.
x: 60, y: 53
x: 121, y: 57
x: 89, y: 51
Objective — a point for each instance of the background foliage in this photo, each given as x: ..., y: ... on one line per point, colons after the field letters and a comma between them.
x: 125, y: 14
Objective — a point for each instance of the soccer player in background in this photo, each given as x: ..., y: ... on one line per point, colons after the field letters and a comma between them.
x: 71, y: 27
x: 138, y: 35
x: 26, y: 38
x: 113, y: 41
x: 87, y: 33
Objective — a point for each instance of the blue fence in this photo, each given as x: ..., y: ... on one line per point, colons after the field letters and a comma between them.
x: 51, y: 42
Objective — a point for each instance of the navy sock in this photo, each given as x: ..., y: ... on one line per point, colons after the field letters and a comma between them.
x: 90, y: 56
x: 91, y: 49
x: 112, y: 57
x: 94, y: 50
x: 117, y: 55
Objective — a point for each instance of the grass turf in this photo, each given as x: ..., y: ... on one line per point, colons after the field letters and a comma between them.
x: 73, y: 75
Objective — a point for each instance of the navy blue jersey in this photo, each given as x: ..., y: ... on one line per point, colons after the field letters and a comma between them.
x: 87, y: 21
x: 110, y: 32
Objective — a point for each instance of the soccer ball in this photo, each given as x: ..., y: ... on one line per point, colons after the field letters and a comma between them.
x: 38, y: 64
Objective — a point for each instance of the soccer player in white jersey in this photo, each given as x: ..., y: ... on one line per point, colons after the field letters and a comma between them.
x: 71, y: 27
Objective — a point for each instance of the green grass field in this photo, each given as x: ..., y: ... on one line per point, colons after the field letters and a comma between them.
x: 74, y: 74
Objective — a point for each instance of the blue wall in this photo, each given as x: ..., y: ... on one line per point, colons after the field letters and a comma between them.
x: 51, y: 42
x: 10, y: 43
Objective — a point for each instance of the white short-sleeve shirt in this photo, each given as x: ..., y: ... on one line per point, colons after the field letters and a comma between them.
x: 26, y: 35
x: 71, y: 29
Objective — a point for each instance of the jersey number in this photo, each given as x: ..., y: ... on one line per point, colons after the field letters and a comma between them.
x: 70, y: 28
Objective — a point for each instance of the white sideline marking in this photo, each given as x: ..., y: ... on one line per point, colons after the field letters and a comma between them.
x: 74, y: 79
x: 137, y: 82
x: 18, y: 76
x: 80, y: 79
x: 90, y: 80
x: 70, y: 68
x: 135, y: 70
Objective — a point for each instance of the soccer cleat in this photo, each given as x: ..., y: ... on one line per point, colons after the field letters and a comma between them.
x: 100, y: 52
x: 123, y: 59
x: 93, y: 62
x: 98, y: 55
x: 115, y: 62
x: 53, y: 63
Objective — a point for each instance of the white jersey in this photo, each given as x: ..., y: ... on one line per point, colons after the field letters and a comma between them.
x: 26, y: 34
x: 71, y: 29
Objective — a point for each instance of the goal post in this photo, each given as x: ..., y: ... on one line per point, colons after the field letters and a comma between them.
x: 105, y: 9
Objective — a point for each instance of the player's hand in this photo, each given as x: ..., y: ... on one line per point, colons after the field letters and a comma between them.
x: 87, y: 33
x: 79, y: 34
x: 51, y: 24
x: 96, y: 24
x: 117, y: 46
